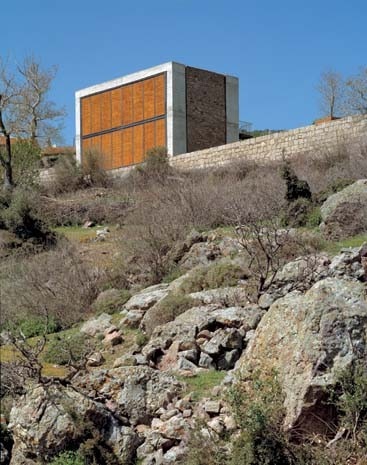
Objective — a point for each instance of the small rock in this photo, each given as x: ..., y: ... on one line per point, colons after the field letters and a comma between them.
x: 141, y: 359
x: 168, y: 414
x: 183, y: 404
x: 125, y: 360
x: 206, y: 334
x: 216, y: 391
x: 111, y: 329
x: 249, y: 335
x: 184, y: 364
x: 113, y: 339
x: 173, y: 455
x: 216, y: 425
x: 212, y: 406
x: 206, y: 361
x: 227, y: 360
x: 229, y: 423
x: 229, y: 379
x: 88, y: 224
x: 170, y: 358
x: 266, y: 300
x: 187, y: 413
x: 187, y: 345
x: 156, y: 423
x: 133, y: 318
x: 141, y: 429
x: 175, y: 428
x: 102, y: 232
x: 191, y: 355
x: 95, y: 360
x: 201, y: 340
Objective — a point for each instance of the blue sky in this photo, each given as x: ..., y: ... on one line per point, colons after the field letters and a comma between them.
x: 278, y: 49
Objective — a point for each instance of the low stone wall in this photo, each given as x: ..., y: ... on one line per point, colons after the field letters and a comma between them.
x: 326, y: 136
x: 316, y: 138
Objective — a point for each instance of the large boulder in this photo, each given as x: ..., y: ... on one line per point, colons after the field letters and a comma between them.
x: 146, y: 298
x: 307, y: 339
x: 137, y: 306
x: 49, y: 420
x: 134, y: 392
x: 345, y: 213
x: 96, y: 326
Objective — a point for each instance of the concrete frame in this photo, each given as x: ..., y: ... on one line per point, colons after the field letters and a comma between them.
x: 175, y: 104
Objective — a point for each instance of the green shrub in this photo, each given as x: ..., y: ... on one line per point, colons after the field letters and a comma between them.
x: 37, y: 326
x: 21, y: 218
x: 220, y: 274
x: 296, y: 188
x: 167, y: 310
x: 296, y: 213
x: 6, y: 442
x: 63, y: 349
x: 68, y: 458
x: 141, y: 339
x: 257, y: 405
x: 350, y: 399
x: 313, y: 218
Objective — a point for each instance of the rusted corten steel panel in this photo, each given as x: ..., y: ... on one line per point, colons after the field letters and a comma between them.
x: 124, y: 122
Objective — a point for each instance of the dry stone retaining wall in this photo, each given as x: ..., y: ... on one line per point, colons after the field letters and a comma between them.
x: 326, y: 136
x: 316, y: 138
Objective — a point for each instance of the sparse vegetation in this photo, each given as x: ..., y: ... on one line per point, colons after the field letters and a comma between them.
x: 201, y: 384
x: 68, y: 458
x: 167, y: 310
x: 68, y: 349
x: 53, y: 284
x: 112, y: 303
x: 219, y: 274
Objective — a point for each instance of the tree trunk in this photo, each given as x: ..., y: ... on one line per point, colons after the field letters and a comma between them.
x: 5, y: 158
x: 8, y: 176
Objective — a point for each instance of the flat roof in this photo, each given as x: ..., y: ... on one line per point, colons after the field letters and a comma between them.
x: 136, y: 76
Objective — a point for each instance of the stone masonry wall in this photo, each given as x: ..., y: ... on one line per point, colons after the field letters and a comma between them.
x: 323, y: 137
x: 319, y: 139
x: 205, y: 109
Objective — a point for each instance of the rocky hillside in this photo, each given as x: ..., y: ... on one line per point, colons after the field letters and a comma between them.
x: 255, y: 352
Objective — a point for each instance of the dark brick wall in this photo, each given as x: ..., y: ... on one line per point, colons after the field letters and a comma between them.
x: 205, y: 109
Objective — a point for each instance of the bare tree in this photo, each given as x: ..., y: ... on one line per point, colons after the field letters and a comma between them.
x: 331, y: 89
x: 25, y: 108
x: 38, y: 117
x: 9, y: 93
x: 356, y: 93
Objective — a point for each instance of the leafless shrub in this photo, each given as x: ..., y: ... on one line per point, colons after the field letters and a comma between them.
x: 167, y: 211
x: 99, y: 205
x: 53, y: 283
x: 326, y: 165
x: 69, y: 176
x: 267, y: 244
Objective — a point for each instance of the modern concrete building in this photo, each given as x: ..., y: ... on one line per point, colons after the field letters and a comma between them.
x: 172, y: 105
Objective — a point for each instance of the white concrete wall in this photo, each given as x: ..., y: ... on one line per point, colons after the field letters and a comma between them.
x: 232, y: 109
